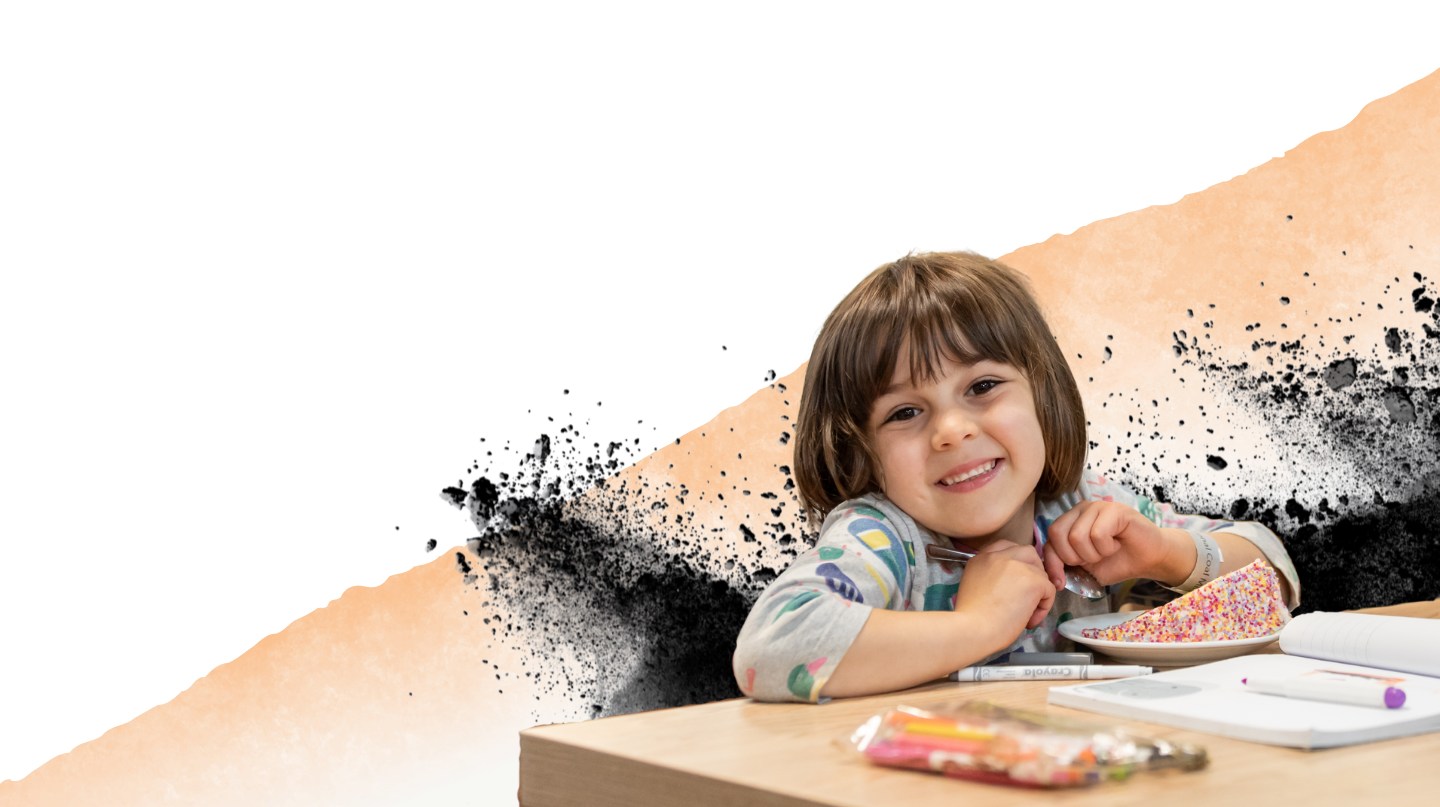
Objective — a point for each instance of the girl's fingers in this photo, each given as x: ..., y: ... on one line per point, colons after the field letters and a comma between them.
x: 1064, y: 551
x: 1042, y: 609
x: 1080, y: 541
x: 1060, y: 531
x: 1054, y: 567
x: 1045, y: 603
x: 1037, y: 617
x: 1024, y: 554
x: 1108, y: 524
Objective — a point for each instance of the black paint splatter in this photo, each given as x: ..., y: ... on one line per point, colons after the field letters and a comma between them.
x: 1340, y: 374
x: 615, y: 611
x: 1397, y: 402
x: 1347, y: 470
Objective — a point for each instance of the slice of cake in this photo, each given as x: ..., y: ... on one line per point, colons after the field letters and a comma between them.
x: 1243, y: 604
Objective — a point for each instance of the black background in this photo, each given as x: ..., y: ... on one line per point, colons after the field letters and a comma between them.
x: 189, y: 183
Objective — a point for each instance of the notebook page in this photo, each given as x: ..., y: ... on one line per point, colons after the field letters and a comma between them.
x: 1401, y: 643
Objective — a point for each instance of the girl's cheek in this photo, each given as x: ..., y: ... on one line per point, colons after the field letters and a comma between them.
x: 1024, y: 429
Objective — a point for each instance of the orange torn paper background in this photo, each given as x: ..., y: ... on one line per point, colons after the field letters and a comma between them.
x: 382, y: 696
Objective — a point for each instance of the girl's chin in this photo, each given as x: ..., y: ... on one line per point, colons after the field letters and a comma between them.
x: 976, y: 536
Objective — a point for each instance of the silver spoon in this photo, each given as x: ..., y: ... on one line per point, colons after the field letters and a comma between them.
x: 1076, y: 579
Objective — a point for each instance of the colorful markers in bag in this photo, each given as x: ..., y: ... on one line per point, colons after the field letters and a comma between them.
x: 986, y: 742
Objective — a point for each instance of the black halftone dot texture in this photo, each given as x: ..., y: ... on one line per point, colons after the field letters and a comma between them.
x: 616, y: 611
x: 1343, y: 461
x: 432, y: 329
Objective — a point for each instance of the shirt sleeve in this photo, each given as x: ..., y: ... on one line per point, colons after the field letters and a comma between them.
x: 1096, y: 487
x: 805, y: 621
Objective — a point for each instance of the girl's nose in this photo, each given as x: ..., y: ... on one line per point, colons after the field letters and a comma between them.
x: 952, y: 426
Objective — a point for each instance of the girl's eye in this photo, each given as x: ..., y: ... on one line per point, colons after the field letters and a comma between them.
x: 984, y: 386
x: 904, y: 413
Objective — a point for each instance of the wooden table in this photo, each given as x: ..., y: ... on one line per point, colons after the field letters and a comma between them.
x: 743, y: 752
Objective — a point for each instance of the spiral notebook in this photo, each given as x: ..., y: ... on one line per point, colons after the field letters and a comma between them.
x: 1210, y: 697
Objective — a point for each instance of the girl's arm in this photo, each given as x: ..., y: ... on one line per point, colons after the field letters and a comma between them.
x: 1181, y: 554
x: 1003, y: 591
x: 900, y: 649
x: 1118, y: 535
x: 803, y: 624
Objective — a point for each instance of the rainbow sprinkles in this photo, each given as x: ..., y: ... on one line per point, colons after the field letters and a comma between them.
x: 1244, y: 604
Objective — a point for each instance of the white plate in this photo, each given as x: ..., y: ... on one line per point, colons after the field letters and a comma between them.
x: 1158, y: 654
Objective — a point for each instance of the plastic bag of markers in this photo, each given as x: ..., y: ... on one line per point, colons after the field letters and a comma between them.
x: 986, y: 742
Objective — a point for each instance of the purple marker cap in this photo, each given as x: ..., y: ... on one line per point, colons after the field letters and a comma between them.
x: 1394, y: 698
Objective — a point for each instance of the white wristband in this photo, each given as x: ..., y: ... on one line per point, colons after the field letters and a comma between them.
x: 1207, y: 563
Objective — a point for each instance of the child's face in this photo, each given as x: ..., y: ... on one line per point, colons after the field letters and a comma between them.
x: 969, y: 417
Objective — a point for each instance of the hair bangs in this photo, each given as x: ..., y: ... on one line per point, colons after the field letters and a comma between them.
x: 950, y: 324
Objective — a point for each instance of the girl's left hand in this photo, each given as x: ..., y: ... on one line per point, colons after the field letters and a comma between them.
x: 1110, y: 540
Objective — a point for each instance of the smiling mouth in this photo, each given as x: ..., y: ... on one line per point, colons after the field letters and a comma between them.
x: 979, y: 470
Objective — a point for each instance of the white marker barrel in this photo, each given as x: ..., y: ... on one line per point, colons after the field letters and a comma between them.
x: 1309, y: 687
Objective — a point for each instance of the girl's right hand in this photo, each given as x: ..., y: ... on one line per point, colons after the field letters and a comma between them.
x: 1007, y: 582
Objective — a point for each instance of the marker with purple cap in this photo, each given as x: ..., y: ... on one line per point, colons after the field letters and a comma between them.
x: 1334, y: 687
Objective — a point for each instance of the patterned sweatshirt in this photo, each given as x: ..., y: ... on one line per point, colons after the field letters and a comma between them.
x: 872, y: 555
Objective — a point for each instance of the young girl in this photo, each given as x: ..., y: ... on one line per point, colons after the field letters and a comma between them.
x: 938, y: 409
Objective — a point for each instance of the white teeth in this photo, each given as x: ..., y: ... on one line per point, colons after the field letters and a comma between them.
x: 973, y: 472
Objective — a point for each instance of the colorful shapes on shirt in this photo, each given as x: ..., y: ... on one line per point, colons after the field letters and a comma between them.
x: 941, y: 596
x: 830, y: 552
x: 802, y: 682
x: 879, y: 581
x: 800, y: 599
x: 839, y: 582
x: 884, y: 544
x: 862, y: 510
x: 1148, y: 509
x: 910, y: 552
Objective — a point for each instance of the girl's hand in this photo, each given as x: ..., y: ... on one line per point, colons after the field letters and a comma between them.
x: 1110, y: 540
x: 1008, y: 582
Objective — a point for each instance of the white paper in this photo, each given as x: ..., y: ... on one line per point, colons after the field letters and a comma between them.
x: 1211, y: 698
x: 1399, y: 643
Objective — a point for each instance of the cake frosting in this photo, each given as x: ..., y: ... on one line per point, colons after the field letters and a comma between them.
x: 1243, y: 604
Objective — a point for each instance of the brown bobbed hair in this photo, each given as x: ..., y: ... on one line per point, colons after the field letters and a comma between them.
x: 957, y: 305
